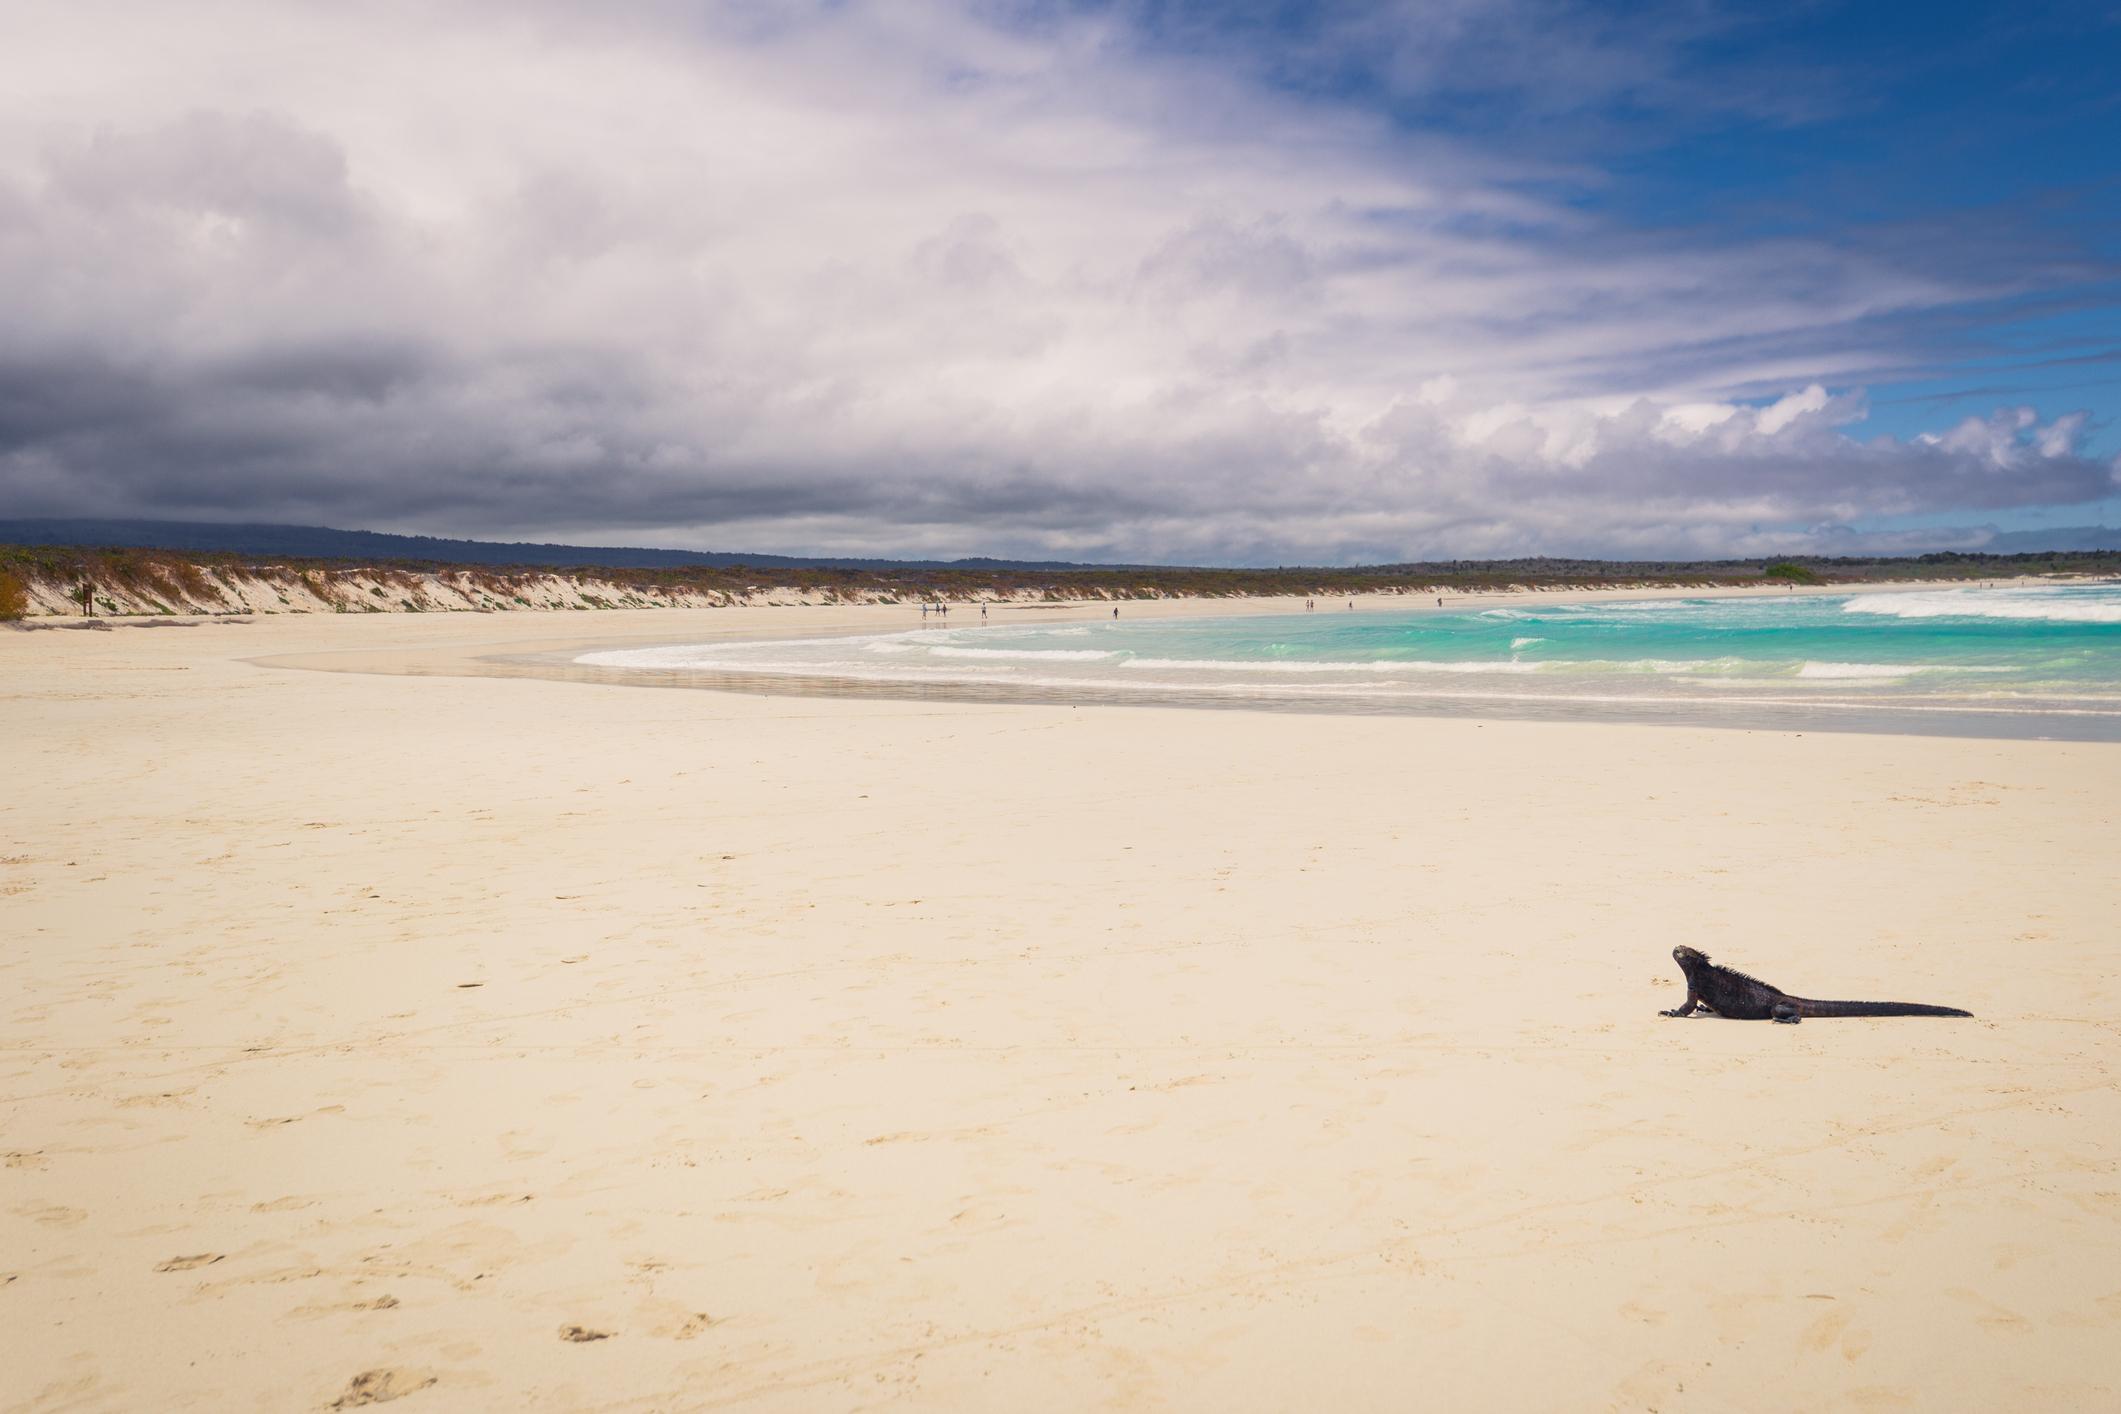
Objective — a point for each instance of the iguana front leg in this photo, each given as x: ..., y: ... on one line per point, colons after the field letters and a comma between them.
x: 1687, y: 1009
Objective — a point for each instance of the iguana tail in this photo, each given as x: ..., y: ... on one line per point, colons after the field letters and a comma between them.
x: 1807, y: 1007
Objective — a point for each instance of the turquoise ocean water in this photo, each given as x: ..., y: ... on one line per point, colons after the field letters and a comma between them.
x: 2012, y: 662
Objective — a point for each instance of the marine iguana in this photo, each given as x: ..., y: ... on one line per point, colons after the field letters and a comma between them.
x: 1722, y: 992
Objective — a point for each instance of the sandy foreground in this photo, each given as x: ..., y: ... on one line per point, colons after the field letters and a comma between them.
x: 507, y: 1044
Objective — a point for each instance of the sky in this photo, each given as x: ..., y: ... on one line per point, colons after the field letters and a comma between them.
x: 1273, y: 283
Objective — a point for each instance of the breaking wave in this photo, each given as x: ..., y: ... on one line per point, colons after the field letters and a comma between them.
x: 1028, y: 655
x: 2091, y: 605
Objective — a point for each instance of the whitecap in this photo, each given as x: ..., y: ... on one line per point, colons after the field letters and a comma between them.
x: 1859, y: 672
x: 1036, y: 655
x: 2050, y: 605
x: 1383, y: 665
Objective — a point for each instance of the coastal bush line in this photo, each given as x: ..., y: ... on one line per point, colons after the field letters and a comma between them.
x: 52, y: 579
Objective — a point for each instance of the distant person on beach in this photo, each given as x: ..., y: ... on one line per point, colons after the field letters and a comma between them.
x: 1115, y: 611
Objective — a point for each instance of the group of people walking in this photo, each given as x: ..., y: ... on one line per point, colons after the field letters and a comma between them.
x: 942, y: 610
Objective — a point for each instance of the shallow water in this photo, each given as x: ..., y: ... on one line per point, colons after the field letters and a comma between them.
x: 2033, y: 662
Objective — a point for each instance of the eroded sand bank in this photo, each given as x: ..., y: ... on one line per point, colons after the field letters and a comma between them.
x: 833, y: 1054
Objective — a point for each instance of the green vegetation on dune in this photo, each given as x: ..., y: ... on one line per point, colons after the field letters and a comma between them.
x: 207, y: 579
x: 14, y: 596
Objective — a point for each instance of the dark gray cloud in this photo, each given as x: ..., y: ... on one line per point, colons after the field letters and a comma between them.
x: 903, y: 279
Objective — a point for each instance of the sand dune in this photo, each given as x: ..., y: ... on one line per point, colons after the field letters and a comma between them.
x: 506, y: 1044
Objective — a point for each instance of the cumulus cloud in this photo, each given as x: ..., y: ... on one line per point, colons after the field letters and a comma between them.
x: 917, y: 277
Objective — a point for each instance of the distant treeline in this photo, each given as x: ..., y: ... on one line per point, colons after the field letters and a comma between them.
x: 188, y: 571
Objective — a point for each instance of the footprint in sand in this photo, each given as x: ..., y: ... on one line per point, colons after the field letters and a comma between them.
x: 51, y: 1214
x: 381, y: 1387
x: 185, y: 1264
x: 380, y: 1303
x: 583, y: 1334
x: 1833, y: 1328
x: 494, y: 1199
x: 1992, y: 1316
x: 284, y: 1205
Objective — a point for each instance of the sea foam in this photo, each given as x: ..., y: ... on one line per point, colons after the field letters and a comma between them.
x: 2062, y: 606
x: 1319, y: 667
x: 1028, y: 655
x: 1859, y: 672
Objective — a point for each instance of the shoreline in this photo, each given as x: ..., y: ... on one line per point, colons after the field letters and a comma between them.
x: 556, y: 660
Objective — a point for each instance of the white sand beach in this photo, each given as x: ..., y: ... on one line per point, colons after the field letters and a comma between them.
x: 485, y: 1043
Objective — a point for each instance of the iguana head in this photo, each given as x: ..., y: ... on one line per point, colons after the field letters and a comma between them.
x: 1687, y: 957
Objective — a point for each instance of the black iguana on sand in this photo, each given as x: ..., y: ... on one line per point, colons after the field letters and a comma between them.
x: 1726, y: 993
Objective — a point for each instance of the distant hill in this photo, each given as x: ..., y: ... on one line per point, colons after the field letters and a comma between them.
x: 318, y: 542
x: 2062, y: 537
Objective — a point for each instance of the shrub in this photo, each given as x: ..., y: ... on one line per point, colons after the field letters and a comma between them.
x: 14, y: 596
x: 182, y: 579
x: 1795, y: 574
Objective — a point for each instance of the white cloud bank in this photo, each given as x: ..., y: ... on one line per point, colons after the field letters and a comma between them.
x: 889, y: 278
